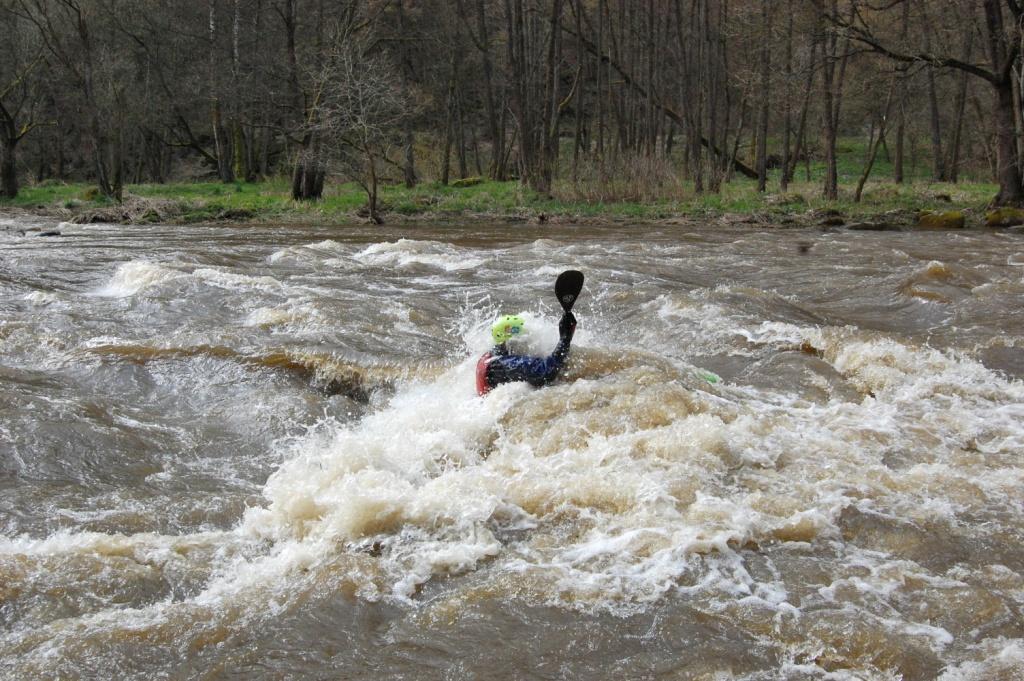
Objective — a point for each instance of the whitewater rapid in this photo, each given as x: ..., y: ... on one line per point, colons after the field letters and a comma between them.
x: 254, y: 432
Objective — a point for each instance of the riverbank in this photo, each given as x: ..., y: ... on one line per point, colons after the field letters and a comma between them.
x: 884, y: 205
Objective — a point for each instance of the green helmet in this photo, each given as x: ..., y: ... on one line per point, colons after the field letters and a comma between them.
x: 506, y: 328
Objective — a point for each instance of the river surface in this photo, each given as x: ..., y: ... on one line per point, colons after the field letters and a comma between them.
x: 257, y: 453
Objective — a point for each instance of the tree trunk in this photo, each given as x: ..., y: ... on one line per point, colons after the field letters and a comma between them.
x: 762, y: 127
x: 901, y: 114
x: 309, y: 173
x: 830, y: 189
x: 898, y: 153
x: 535, y: 90
x: 117, y: 159
x: 800, y: 145
x: 869, y: 162
x: 787, y: 118
x: 600, y: 82
x: 460, y: 122
x: 60, y: 171
x: 874, y: 143
x: 1018, y: 121
x: 1007, y: 171
x: 475, y: 140
x: 371, y: 189
x: 308, y: 178
x: 8, y: 169
x: 239, y: 165
x: 496, y: 170
x: 220, y: 139
x: 546, y: 160
x: 938, y: 158
x: 953, y: 166
x: 222, y: 145
x: 577, y: 138
x: 449, y: 127
x: 698, y: 57
x: 409, y: 167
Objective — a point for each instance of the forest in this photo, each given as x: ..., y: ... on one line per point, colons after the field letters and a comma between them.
x: 581, y: 93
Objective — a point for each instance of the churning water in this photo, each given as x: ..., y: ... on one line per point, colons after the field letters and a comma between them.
x: 257, y: 453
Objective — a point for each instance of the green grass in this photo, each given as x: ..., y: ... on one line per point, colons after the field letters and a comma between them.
x: 271, y: 201
x: 49, y: 194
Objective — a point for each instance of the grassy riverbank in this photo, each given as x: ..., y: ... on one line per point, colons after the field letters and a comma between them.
x: 637, y: 193
x: 343, y: 204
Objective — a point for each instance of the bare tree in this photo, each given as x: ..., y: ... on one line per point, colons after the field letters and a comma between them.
x: 21, y: 59
x: 1001, y: 26
x: 140, y: 89
x: 68, y: 29
x: 358, y: 113
x: 537, y: 102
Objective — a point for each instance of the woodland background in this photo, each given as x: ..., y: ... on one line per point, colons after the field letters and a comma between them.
x: 580, y: 96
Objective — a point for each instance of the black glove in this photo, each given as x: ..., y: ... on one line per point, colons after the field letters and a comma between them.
x: 567, y: 327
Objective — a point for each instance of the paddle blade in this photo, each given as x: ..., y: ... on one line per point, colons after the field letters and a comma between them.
x: 568, y: 287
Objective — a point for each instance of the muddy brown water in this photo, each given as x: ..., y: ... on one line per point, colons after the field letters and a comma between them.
x: 256, y: 453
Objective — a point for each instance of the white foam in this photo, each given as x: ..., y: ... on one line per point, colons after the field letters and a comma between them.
x: 326, y: 250
x: 1002, y: 658
x: 406, y: 252
x: 648, y: 462
x: 270, y: 316
x: 232, y: 280
x: 135, y: 276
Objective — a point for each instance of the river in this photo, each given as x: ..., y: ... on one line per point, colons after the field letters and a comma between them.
x: 257, y: 453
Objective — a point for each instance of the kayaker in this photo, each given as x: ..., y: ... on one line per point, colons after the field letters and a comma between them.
x: 502, y: 365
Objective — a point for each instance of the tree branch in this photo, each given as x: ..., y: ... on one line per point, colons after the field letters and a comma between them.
x: 864, y: 37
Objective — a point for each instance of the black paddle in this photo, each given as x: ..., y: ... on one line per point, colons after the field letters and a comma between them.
x: 568, y: 287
